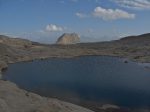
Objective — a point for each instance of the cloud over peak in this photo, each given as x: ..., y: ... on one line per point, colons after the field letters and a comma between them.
x: 53, y: 28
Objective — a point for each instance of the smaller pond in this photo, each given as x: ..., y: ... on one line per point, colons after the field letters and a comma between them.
x: 98, y: 79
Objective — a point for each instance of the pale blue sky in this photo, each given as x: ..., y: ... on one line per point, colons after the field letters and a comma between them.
x: 93, y: 20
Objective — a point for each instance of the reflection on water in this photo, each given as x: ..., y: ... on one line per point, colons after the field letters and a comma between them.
x: 92, y: 78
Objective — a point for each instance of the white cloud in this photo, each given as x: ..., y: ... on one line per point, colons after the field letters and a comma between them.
x: 111, y: 14
x: 81, y: 15
x: 136, y: 4
x: 53, y: 28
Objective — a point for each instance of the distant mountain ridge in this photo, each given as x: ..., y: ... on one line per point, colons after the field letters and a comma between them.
x: 138, y: 37
x: 14, y: 41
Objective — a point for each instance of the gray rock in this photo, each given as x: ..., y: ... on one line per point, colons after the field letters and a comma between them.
x: 109, y: 106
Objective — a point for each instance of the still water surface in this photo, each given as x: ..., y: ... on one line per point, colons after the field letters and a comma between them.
x: 91, y: 78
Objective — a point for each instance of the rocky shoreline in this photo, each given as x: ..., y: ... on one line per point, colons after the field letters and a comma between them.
x: 18, y: 50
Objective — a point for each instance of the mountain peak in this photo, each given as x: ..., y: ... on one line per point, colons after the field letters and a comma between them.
x: 68, y: 38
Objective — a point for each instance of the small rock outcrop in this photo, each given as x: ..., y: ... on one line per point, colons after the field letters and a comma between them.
x: 68, y: 38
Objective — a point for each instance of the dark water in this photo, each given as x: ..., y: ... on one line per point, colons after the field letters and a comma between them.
x: 94, y: 79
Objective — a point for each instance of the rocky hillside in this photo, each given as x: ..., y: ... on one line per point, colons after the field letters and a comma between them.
x: 143, y: 37
x: 67, y: 38
x: 137, y: 40
x: 15, y: 41
x: 13, y: 50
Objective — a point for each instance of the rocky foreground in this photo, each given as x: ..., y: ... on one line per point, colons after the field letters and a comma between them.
x: 12, y: 50
x: 13, y: 99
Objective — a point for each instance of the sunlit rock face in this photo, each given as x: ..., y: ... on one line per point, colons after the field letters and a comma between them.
x: 67, y: 38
